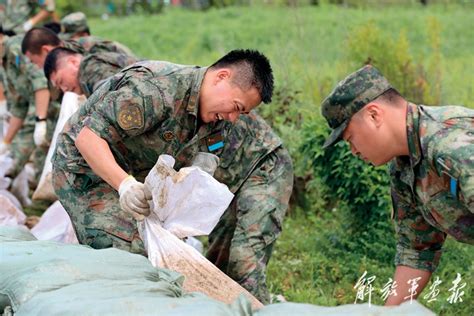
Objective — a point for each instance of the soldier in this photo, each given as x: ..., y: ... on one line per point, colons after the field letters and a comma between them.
x: 20, y: 15
x: 430, y: 151
x: 74, y: 26
x: 71, y: 71
x: 38, y: 42
x: 27, y: 91
x: 150, y: 108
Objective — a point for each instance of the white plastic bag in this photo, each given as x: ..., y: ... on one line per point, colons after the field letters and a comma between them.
x: 20, y: 187
x: 55, y: 225
x: 11, y: 213
x: 187, y: 203
x: 45, y: 190
x: 5, y: 164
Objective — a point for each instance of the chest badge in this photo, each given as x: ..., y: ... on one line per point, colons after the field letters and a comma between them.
x: 215, y: 141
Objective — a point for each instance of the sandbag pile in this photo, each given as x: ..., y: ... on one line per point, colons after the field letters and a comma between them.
x: 50, y: 278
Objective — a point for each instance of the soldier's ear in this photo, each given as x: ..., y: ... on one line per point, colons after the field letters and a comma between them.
x: 222, y: 74
x: 375, y: 113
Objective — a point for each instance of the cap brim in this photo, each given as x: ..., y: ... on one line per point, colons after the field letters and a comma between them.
x: 336, y: 135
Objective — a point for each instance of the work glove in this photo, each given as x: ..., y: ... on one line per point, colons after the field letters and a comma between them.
x: 3, y: 109
x: 134, y: 197
x: 27, y: 25
x: 39, y: 134
x: 206, y: 161
x: 4, y: 148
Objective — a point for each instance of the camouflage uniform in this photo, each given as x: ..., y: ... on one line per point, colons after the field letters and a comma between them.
x: 149, y: 109
x: 17, y: 12
x: 72, y: 24
x: 95, y: 68
x: 22, y: 80
x: 433, y: 187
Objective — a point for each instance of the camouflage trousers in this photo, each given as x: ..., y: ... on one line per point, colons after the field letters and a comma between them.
x: 242, y: 242
x: 240, y: 245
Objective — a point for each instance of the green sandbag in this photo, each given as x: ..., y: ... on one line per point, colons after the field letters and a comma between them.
x: 49, y: 278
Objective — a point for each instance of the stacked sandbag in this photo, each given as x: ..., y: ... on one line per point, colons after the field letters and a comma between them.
x: 55, y: 225
x: 11, y: 212
x: 50, y: 278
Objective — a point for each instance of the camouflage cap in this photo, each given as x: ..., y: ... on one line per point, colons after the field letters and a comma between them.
x: 349, y: 96
x: 74, y: 23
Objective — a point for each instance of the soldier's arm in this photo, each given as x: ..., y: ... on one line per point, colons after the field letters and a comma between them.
x: 42, y: 97
x: 14, y: 126
x: 419, y: 244
x: 99, y: 157
x: 46, y: 11
x: 126, y: 112
x: 403, y: 275
x: 454, y: 156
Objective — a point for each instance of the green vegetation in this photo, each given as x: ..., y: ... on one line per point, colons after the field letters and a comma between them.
x: 339, y: 225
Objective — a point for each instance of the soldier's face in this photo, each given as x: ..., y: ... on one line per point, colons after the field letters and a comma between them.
x: 224, y: 100
x: 65, y: 76
x: 367, y: 137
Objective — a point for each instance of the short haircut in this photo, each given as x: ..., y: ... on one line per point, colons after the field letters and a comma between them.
x: 36, y: 38
x: 252, y: 70
x: 53, y: 58
x: 390, y: 96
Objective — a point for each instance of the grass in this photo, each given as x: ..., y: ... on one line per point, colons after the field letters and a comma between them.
x: 308, y: 50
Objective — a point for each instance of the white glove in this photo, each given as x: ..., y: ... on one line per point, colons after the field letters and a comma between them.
x: 39, y: 134
x: 4, y: 148
x: 134, y: 197
x: 3, y: 109
x: 27, y: 25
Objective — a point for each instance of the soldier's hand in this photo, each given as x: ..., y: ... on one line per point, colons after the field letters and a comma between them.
x: 39, y: 134
x: 206, y: 161
x: 4, y: 148
x: 27, y: 25
x: 134, y: 198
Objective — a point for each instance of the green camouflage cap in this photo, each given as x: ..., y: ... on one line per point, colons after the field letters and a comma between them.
x: 349, y: 96
x: 74, y: 23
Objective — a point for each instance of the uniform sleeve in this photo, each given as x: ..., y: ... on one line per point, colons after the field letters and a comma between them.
x: 454, y: 155
x: 94, y: 71
x: 18, y: 107
x: 35, y: 76
x: 133, y: 108
x: 419, y: 244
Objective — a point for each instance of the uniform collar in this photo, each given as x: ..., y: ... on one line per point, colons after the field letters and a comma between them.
x: 193, y: 104
x: 413, y: 134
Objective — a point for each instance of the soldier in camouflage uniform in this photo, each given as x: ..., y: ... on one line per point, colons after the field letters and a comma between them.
x: 153, y: 108
x: 25, y: 87
x: 38, y: 42
x: 18, y: 16
x: 430, y: 151
x: 82, y: 74
x: 74, y: 25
